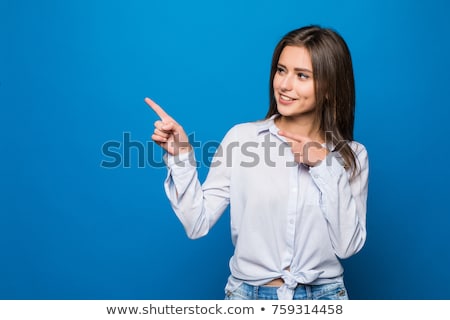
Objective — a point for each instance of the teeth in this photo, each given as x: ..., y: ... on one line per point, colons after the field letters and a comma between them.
x: 285, y: 98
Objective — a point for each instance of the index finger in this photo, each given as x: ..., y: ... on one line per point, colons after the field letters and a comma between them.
x: 158, y: 110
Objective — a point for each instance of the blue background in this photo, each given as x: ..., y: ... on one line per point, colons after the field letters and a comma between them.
x: 73, y: 76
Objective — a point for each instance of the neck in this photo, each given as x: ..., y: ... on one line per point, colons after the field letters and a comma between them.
x: 302, y: 126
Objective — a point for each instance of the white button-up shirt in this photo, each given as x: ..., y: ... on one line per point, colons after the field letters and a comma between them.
x: 287, y: 220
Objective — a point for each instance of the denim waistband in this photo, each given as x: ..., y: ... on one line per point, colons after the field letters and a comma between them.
x: 331, y: 291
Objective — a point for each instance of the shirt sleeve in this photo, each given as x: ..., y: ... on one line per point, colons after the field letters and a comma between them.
x: 197, y: 206
x: 344, y: 201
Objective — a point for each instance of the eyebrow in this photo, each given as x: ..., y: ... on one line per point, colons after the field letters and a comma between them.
x: 296, y: 69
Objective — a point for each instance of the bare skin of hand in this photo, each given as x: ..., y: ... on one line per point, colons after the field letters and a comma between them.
x: 168, y: 133
x: 305, y: 150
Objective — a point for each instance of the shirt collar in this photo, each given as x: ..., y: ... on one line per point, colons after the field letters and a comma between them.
x: 268, y: 125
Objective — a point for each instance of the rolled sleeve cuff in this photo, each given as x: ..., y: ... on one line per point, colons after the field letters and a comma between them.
x: 180, y: 163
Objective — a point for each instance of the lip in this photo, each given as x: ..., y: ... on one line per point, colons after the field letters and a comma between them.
x: 285, y: 102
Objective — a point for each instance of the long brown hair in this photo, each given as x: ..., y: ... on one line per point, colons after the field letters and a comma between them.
x: 333, y: 83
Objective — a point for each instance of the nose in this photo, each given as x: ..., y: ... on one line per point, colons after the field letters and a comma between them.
x: 287, y: 83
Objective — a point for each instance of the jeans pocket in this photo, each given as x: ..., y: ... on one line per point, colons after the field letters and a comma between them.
x: 333, y: 291
x: 237, y: 294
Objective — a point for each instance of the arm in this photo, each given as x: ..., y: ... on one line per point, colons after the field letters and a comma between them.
x: 344, y: 201
x: 197, y: 207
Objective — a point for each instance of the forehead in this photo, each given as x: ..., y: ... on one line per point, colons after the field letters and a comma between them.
x: 295, y: 57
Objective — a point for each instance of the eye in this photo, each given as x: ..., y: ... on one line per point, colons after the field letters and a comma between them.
x: 280, y: 70
x: 302, y: 75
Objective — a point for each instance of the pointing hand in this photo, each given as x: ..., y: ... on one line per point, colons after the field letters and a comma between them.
x: 168, y: 133
x: 305, y: 150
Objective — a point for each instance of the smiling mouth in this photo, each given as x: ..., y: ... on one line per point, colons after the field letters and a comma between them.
x: 286, y: 98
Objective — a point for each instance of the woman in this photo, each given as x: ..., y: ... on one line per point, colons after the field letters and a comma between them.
x: 296, y: 182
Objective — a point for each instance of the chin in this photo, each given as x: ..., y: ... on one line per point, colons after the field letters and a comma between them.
x: 293, y: 112
x: 286, y: 111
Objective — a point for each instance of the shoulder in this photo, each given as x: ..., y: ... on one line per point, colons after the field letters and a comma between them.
x: 358, y: 148
x: 360, y: 152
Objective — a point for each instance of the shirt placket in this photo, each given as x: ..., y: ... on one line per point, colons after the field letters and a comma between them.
x: 292, y: 208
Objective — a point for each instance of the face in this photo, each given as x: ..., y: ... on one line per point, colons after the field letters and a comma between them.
x: 293, y: 83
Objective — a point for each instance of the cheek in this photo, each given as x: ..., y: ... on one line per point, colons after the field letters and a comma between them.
x: 306, y: 90
x: 276, y: 82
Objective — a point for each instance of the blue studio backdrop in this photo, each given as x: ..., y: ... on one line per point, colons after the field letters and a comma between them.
x: 83, y: 214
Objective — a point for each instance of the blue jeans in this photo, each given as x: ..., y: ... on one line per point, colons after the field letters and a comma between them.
x: 329, y: 291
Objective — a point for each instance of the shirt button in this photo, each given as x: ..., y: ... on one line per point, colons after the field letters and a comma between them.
x: 291, y: 221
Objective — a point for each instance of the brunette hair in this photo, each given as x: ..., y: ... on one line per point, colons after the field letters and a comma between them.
x: 333, y: 83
